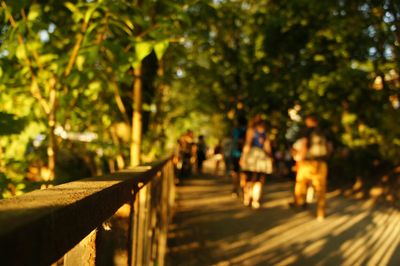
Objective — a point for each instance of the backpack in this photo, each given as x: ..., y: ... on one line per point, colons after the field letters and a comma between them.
x: 317, y: 146
x: 296, y: 147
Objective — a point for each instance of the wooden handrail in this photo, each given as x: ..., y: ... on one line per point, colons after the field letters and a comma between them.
x: 38, y: 228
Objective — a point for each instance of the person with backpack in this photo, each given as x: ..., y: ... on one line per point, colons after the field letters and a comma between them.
x: 311, y: 152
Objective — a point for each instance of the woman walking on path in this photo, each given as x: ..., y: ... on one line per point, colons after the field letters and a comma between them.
x: 256, y: 161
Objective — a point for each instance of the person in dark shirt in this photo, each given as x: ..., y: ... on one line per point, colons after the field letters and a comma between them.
x: 201, y: 153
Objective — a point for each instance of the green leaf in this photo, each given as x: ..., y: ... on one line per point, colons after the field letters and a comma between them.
x: 72, y: 7
x: 259, y: 49
x: 80, y: 60
x: 122, y: 26
x: 143, y: 49
x: 47, y: 58
x: 129, y: 23
x: 95, y: 85
x: 34, y: 12
x: 21, y: 52
x: 33, y: 45
x: 160, y: 49
x: 91, y: 28
x: 75, y: 11
x: 90, y: 12
x: 319, y: 58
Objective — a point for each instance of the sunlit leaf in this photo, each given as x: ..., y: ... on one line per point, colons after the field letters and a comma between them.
x: 95, y: 86
x: 89, y: 13
x: 47, y: 58
x: 160, y: 48
x: 319, y: 58
x: 34, y: 12
x: 259, y: 47
x: 129, y: 23
x: 91, y: 28
x: 121, y: 26
x: 80, y: 60
x: 72, y: 7
x: 33, y: 45
x: 21, y: 52
x: 75, y: 11
x: 143, y: 49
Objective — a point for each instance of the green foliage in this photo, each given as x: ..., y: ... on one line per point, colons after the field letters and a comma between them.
x: 204, y: 63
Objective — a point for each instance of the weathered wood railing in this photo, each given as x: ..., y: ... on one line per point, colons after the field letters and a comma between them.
x: 59, y: 224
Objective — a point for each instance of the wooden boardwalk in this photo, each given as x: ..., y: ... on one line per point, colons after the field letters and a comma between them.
x: 213, y: 228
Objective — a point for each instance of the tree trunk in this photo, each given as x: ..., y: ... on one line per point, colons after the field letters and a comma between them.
x: 2, y: 162
x: 52, y: 148
x: 159, y: 115
x: 136, y: 132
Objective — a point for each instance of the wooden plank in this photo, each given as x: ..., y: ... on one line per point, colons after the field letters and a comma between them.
x: 131, y: 229
x: 83, y: 254
x: 40, y: 227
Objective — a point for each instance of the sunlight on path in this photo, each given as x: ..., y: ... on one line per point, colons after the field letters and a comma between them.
x: 212, y: 228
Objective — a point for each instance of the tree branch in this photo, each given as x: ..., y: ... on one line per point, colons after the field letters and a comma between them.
x: 75, y: 50
x: 144, y: 33
x: 119, y: 102
x: 34, y: 85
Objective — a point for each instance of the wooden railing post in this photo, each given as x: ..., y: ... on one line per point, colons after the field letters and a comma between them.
x: 171, y: 186
x: 156, y: 217
x: 84, y: 253
x: 139, y: 225
x: 152, y: 214
x: 146, y: 228
x: 132, y: 227
x: 164, y: 217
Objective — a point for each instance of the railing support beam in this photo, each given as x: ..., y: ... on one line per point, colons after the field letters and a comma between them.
x: 84, y: 253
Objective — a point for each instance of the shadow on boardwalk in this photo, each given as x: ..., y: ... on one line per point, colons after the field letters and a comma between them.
x: 212, y: 228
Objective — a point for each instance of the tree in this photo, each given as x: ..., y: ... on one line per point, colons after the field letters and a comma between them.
x: 138, y: 73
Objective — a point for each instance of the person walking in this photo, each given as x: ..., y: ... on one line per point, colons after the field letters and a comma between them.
x: 227, y: 145
x: 218, y: 156
x: 185, y: 153
x: 200, y: 153
x: 256, y: 161
x: 311, y: 152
